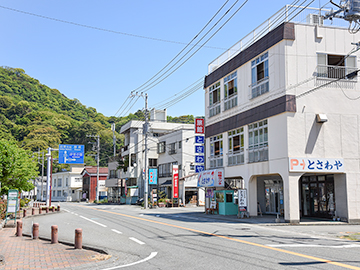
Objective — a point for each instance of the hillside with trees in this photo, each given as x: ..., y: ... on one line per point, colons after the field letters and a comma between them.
x: 35, y: 117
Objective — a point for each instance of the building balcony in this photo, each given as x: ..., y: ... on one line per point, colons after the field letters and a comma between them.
x: 335, y: 72
x: 130, y: 173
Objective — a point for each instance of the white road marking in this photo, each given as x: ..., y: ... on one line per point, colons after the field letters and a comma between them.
x: 76, y: 214
x: 116, y: 231
x: 66, y: 210
x: 93, y: 221
x: 317, y: 246
x: 137, y: 241
x: 152, y: 255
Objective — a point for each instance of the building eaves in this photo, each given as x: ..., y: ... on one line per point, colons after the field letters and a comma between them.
x: 285, y: 31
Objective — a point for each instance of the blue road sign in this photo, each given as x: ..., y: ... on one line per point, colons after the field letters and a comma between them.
x: 199, y: 159
x: 199, y: 149
x: 199, y: 168
x: 71, y: 154
x: 199, y: 139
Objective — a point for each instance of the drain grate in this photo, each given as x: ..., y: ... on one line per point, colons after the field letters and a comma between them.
x: 2, y: 260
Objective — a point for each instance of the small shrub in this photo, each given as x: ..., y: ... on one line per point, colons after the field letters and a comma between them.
x: 2, y: 209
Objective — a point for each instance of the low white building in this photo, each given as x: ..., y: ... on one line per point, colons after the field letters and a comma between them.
x: 67, y: 186
x: 168, y: 143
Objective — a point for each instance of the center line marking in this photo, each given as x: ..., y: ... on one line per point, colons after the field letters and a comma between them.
x: 116, y: 231
x: 137, y: 241
x: 234, y: 239
x: 93, y: 221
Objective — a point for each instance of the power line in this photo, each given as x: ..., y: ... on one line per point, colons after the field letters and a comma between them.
x: 99, y: 28
x: 187, y: 45
x: 145, y: 88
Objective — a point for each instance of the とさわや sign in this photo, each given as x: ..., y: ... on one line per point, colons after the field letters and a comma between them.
x: 334, y: 165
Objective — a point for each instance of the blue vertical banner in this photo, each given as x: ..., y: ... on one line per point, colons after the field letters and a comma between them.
x: 153, y: 177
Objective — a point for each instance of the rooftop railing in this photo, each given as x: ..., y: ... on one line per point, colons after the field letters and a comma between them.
x: 289, y: 13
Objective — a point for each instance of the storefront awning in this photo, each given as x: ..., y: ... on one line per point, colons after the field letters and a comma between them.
x: 211, y: 178
x: 167, y: 183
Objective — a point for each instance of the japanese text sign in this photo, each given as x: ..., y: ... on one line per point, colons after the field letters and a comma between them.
x: 199, y: 139
x: 211, y: 178
x: 153, y: 176
x: 199, y: 125
x: 71, y: 154
x: 316, y: 165
x: 175, y: 178
x: 242, y: 197
x: 199, y: 149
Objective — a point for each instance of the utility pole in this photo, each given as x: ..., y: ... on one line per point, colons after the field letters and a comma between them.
x: 48, y: 176
x: 145, y: 132
x: 114, y: 138
x: 98, y: 162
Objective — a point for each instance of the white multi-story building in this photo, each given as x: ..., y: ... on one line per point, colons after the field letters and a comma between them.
x: 67, y: 186
x: 168, y: 143
x: 282, y: 119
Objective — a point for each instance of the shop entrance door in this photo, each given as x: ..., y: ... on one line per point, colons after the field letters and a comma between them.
x: 274, y: 197
x: 317, y: 196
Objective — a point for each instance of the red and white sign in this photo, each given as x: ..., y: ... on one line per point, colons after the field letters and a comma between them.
x: 211, y: 178
x: 175, y: 179
x: 199, y: 125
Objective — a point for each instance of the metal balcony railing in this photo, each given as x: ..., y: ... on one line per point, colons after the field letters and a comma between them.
x: 334, y: 72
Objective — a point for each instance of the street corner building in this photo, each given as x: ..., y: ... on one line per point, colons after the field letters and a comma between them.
x: 282, y: 119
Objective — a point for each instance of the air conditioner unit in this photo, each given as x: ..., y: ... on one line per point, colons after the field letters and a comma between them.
x: 314, y: 19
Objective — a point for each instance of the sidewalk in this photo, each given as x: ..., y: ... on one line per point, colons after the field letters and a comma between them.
x: 26, y: 253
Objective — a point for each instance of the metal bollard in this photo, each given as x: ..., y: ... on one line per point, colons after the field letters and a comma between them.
x: 19, y: 228
x: 40, y: 210
x: 35, y: 231
x: 47, y: 209
x: 53, y: 209
x: 78, y: 239
x: 24, y: 213
x: 33, y: 211
x: 58, y: 209
x: 54, y: 234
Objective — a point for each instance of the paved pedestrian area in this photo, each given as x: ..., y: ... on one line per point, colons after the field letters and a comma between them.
x: 26, y: 253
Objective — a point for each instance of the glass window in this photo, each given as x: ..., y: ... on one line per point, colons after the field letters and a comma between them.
x: 219, y: 197
x: 258, y: 141
x: 260, y: 75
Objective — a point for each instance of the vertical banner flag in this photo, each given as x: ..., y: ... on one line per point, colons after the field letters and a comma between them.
x: 199, y: 125
x: 153, y: 176
x: 175, y: 178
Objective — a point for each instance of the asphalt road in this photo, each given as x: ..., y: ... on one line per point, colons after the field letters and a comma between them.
x: 183, y: 238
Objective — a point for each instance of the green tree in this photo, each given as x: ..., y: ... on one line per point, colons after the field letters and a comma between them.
x: 16, y: 167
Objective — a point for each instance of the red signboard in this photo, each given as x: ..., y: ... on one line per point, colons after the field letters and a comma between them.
x: 175, y: 179
x: 199, y: 125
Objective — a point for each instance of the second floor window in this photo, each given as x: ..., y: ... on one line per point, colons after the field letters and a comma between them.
x: 59, y: 182
x: 216, y: 146
x: 236, y: 147
x: 172, y: 149
x: 258, y: 141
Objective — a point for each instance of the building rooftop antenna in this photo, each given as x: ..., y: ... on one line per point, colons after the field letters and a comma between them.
x: 348, y: 10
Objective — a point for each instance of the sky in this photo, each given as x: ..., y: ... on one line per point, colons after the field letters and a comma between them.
x: 100, y: 51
